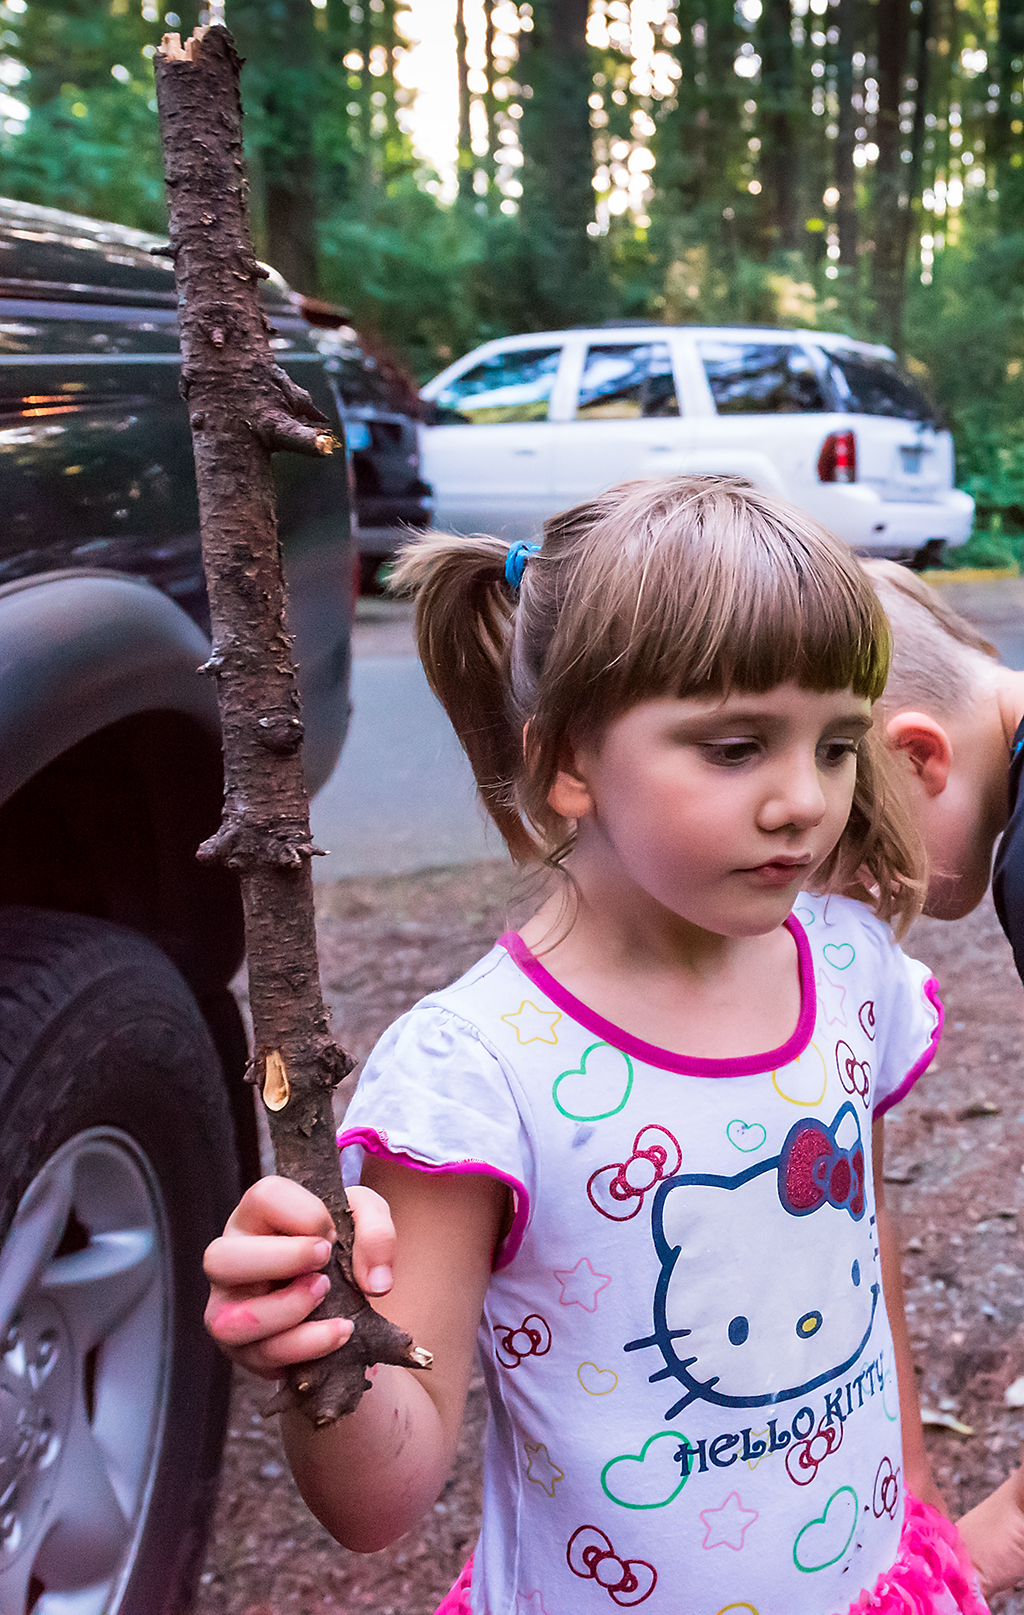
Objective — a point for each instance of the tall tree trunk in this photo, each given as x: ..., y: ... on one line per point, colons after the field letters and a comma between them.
x: 909, y: 215
x: 1003, y: 144
x: 686, y: 154
x: 241, y: 407
x: 846, y: 139
x: 289, y: 164
x: 889, y: 266
x: 778, y: 146
x: 490, y: 101
x: 558, y: 194
x: 465, y: 157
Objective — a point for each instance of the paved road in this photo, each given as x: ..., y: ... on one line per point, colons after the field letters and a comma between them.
x: 402, y: 797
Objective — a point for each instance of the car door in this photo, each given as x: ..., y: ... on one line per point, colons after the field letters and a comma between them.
x: 626, y: 419
x: 487, y: 448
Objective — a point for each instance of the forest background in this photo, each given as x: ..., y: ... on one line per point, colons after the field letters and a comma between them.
x: 852, y: 164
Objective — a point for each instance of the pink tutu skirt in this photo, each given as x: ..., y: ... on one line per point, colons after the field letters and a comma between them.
x: 932, y: 1574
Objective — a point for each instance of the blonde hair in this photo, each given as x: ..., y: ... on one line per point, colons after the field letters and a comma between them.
x: 683, y: 586
x: 938, y: 659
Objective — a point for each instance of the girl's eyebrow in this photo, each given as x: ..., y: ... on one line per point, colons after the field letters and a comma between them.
x: 717, y: 718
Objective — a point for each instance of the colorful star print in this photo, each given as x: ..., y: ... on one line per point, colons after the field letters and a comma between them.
x: 533, y: 1025
x: 581, y: 1286
x: 726, y: 1525
x: 833, y: 1012
x: 541, y: 1470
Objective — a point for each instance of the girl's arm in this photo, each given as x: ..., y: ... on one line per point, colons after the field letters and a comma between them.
x: 917, y: 1470
x: 371, y: 1476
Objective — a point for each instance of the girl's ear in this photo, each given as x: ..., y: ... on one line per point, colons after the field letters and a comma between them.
x: 569, y: 795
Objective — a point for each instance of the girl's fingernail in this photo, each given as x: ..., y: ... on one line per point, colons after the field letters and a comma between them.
x: 378, y: 1280
x: 321, y: 1250
x: 319, y: 1286
x: 344, y: 1329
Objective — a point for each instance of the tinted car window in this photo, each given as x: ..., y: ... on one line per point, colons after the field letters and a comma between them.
x: 877, y: 387
x: 761, y: 378
x: 626, y: 382
x: 506, y: 387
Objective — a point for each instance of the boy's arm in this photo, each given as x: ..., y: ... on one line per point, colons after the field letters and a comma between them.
x: 917, y: 1471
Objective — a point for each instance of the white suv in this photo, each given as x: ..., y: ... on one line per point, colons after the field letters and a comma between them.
x: 528, y: 425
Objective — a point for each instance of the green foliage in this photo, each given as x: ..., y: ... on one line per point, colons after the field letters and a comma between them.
x: 92, y: 144
x: 738, y: 229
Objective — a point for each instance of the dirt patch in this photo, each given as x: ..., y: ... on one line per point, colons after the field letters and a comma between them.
x: 955, y: 1158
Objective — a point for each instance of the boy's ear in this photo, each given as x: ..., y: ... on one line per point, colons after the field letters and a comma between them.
x: 927, y: 746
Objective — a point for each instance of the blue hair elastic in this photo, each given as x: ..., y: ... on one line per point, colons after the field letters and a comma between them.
x: 515, y: 562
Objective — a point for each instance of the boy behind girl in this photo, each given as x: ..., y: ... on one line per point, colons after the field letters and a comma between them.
x: 955, y: 716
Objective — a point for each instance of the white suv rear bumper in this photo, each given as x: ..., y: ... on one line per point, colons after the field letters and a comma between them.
x: 857, y: 514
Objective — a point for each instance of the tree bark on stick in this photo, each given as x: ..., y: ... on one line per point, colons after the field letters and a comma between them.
x: 242, y: 406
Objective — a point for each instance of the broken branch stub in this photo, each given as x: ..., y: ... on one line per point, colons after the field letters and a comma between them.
x: 241, y: 407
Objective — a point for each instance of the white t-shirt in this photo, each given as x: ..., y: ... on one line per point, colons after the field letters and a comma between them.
x: 693, y: 1402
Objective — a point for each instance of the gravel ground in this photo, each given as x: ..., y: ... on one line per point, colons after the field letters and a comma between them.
x: 954, y: 1166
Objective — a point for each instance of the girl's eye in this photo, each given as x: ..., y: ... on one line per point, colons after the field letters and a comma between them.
x: 730, y: 753
x: 835, y: 752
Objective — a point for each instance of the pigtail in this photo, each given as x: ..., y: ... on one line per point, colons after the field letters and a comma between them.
x: 880, y: 859
x: 464, y: 621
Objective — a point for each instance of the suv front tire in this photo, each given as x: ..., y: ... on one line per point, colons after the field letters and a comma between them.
x: 117, y: 1166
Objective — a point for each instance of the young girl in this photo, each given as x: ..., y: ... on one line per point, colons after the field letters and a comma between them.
x: 634, y: 1155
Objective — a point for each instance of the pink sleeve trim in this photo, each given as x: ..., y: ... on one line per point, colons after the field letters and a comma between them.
x: 376, y: 1143
x: 920, y: 1065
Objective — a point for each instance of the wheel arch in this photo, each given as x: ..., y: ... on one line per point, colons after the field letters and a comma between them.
x: 111, y: 775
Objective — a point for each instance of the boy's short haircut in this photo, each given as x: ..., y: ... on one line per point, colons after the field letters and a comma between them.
x: 938, y: 659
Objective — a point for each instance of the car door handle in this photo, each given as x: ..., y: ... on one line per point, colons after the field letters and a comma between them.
x: 661, y: 448
x: 524, y: 451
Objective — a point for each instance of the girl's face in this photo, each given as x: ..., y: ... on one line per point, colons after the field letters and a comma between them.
x: 721, y: 809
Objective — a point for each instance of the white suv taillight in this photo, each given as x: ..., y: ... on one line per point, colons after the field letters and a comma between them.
x: 837, y: 461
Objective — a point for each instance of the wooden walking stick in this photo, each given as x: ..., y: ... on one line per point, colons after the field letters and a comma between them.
x: 242, y: 406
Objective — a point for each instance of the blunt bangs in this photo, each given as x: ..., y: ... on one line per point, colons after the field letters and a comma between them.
x: 701, y: 592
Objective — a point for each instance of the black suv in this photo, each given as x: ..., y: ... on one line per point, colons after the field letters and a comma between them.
x: 129, y: 1131
x: 380, y: 406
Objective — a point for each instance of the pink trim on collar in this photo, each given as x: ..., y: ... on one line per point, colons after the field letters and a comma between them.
x: 921, y: 1064
x: 367, y: 1138
x: 748, y: 1066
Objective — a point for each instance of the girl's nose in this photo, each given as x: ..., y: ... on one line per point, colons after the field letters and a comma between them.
x: 797, y: 799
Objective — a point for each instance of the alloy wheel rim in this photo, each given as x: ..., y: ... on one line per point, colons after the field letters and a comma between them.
x: 85, y: 1343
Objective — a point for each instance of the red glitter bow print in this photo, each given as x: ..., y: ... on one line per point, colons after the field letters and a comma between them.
x: 815, y: 1171
x: 804, y: 1457
x: 854, y: 1074
x: 887, y: 1490
x: 591, y: 1557
x: 617, y: 1191
x: 532, y: 1338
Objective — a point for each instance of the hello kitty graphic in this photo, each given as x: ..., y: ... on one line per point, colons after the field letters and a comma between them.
x: 768, y: 1286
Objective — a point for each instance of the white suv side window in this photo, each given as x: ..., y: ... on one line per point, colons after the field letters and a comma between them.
x: 627, y: 382
x: 511, y: 386
x: 761, y: 378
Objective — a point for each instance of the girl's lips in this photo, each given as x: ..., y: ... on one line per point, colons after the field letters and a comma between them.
x: 779, y: 872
